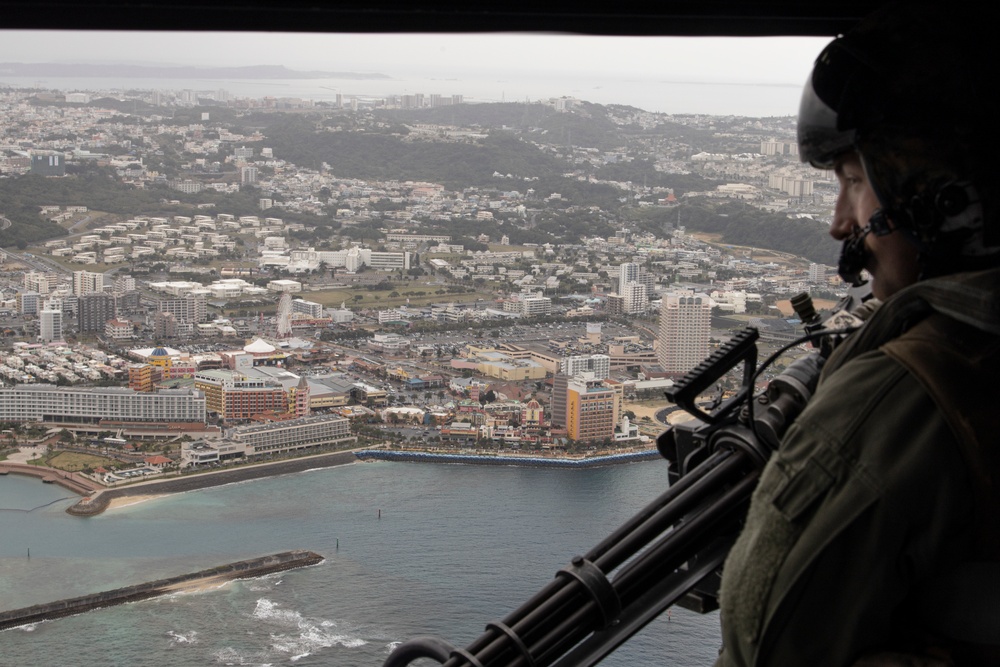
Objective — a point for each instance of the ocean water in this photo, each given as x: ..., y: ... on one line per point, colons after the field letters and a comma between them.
x: 455, y: 547
x: 650, y: 94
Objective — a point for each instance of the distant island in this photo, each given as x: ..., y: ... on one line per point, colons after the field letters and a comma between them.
x: 64, y: 70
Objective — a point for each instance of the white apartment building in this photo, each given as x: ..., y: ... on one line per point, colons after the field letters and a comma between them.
x: 310, y: 308
x: 627, y: 273
x: 598, y: 364
x: 43, y: 283
x: 536, y: 305
x: 50, y: 325
x: 85, y: 282
x: 636, y: 296
x: 92, y: 405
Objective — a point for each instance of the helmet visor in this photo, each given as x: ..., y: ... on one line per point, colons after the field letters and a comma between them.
x: 820, y: 142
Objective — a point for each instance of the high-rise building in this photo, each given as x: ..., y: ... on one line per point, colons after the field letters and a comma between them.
x: 534, y: 306
x: 48, y: 163
x: 248, y: 174
x: 29, y: 302
x: 233, y: 395
x: 94, y: 310
x: 685, y: 331
x: 636, y: 297
x: 590, y: 410
x: 50, y: 325
x: 627, y: 273
x: 635, y: 286
x: 85, y: 282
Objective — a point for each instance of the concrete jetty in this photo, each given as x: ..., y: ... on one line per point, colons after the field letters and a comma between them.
x: 243, y: 569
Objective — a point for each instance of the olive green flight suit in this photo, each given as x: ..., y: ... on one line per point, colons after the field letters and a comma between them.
x: 873, y: 496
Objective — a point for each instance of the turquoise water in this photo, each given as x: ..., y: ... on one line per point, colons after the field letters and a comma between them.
x: 455, y: 547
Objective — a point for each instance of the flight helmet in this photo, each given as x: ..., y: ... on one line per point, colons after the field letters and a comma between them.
x: 910, y: 91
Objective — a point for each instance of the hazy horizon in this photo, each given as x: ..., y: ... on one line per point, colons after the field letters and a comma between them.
x: 573, y: 65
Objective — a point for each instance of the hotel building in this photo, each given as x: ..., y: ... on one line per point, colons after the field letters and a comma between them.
x: 99, y: 405
x: 291, y: 435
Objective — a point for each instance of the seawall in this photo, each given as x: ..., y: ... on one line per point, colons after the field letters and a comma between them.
x: 96, y: 504
x: 243, y: 569
x: 530, y: 461
x: 68, y: 480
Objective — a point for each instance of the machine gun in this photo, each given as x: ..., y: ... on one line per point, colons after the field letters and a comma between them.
x: 672, y: 550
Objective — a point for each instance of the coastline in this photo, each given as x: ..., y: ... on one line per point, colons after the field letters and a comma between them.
x: 420, y: 455
x: 126, y: 501
x: 143, y: 491
x: 153, y: 489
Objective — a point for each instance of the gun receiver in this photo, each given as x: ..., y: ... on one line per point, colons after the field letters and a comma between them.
x: 741, y: 347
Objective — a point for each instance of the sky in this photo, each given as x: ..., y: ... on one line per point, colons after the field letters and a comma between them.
x: 562, y: 60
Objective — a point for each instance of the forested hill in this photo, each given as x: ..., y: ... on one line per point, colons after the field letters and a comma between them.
x: 374, y: 156
x: 390, y: 151
x: 740, y: 224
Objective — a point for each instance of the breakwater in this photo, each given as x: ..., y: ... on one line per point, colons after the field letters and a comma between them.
x: 243, y: 569
x: 498, y: 460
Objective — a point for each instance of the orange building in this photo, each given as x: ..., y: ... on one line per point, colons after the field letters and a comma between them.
x: 590, y: 410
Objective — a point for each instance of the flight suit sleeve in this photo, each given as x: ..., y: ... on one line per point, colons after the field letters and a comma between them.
x: 867, y: 496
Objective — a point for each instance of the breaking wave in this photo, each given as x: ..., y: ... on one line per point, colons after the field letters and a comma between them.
x: 297, y: 636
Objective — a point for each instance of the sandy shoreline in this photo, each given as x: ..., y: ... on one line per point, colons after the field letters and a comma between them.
x: 149, y: 490
x: 125, y: 501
